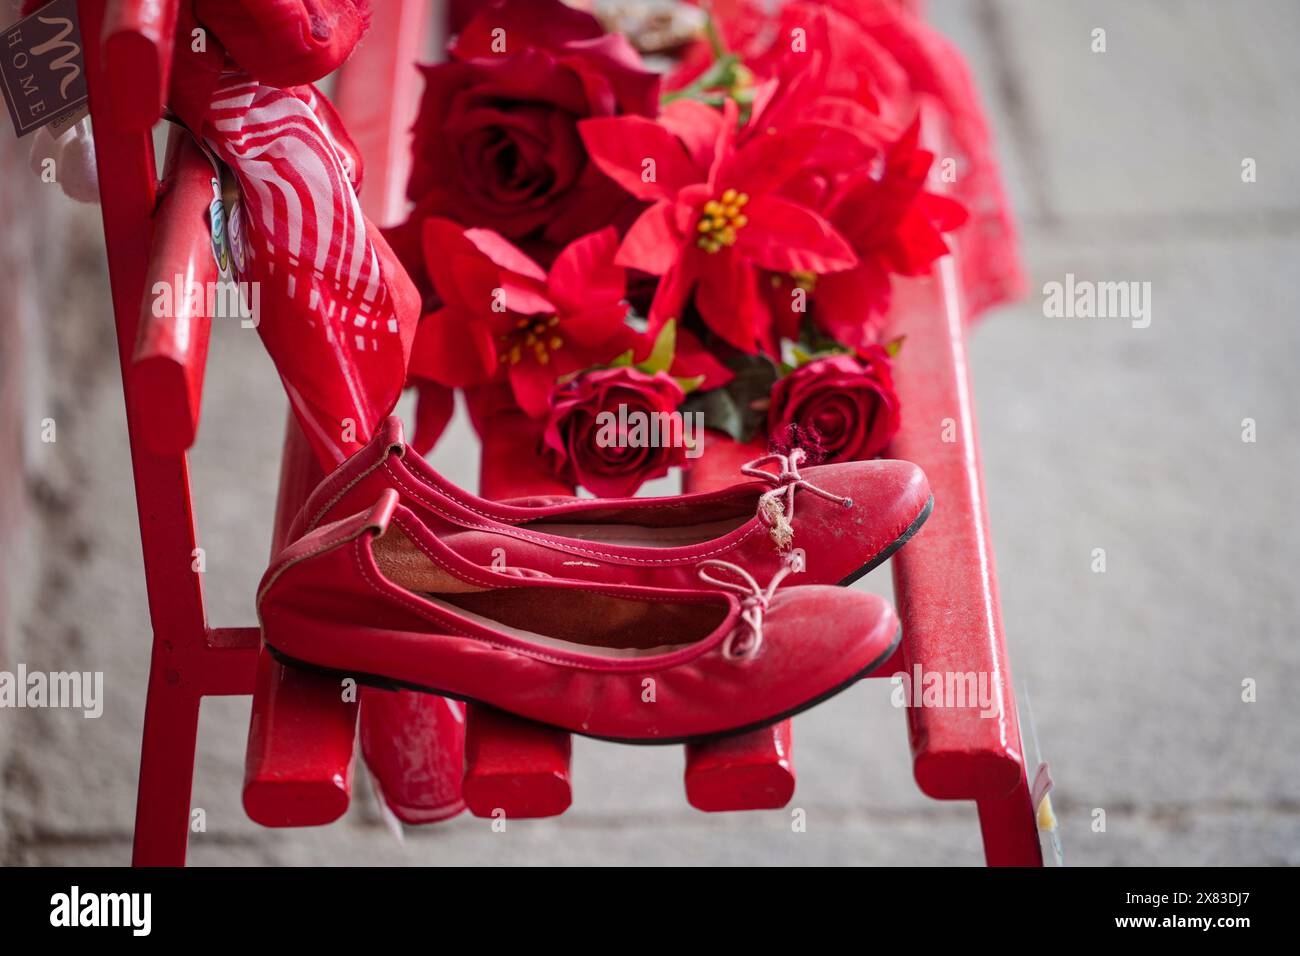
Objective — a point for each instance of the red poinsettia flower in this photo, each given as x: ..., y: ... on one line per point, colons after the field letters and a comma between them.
x: 503, y: 316
x: 896, y: 227
x: 718, y: 219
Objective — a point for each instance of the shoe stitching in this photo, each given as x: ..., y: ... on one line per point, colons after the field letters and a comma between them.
x: 345, y: 489
x: 536, y: 539
x: 502, y: 519
x: 329, y: 544
x: 596, y: 587
x: 463, y: 574
x: 400, y: 598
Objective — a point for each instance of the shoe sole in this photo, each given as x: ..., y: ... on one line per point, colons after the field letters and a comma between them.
x: 898, y: 542
x: 389, y: 683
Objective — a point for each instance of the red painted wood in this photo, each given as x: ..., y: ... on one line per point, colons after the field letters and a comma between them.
x: 301, y: 732
x: 514, y: 767
x: 229, y: 661
x: 1009, y: 827
x: 512, y: 764
x: 171, y: 349
x: 126, y: 171
x: 719, y: 463
x: 945, y: 580
x: 298, y: 767
x: 167, y: 745
x: 753, y: 771
x: 137, y: 41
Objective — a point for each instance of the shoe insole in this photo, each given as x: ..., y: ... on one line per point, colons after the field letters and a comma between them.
x: 532, y: 637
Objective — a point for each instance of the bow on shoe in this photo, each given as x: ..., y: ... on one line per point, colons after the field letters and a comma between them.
x: 776, y: 506
x: 754, y: 601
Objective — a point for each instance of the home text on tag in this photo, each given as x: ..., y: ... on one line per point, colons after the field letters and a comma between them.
x: 42, y: 73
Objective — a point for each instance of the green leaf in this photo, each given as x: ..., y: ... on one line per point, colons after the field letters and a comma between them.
x: 751, y: 390
x: 739, y: 408
x: 622, y: 361
x: 894, y: 346
x: 719, y: 409
x: 688, y: 385
x: 665, y: 347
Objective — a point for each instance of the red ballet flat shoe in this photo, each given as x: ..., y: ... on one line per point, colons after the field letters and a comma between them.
x: 378, y: 597
x: 833, y: 523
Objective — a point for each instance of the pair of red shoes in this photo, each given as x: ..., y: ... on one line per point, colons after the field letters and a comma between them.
x: 644, y: 620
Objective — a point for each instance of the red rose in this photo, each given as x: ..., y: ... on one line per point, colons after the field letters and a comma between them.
x: 848, y: 399
x: 496, y: 140
x: 610, y: 430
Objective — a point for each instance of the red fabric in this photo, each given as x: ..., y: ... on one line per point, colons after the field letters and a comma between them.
x: 286, y: 42
x: 414, y: 747
x: 338, y: 313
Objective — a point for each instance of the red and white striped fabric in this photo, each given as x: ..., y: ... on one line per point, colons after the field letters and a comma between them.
x: 337, y: 312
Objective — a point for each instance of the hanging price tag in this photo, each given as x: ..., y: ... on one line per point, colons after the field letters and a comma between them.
x: 42, y: 73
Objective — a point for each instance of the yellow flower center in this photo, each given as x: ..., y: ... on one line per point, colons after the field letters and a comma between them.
x: 804, y: 280
x: 807, y: 281
x: 721, y: 219
x: 535, y: 335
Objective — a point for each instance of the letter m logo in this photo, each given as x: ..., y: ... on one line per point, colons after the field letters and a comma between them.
x: 66, y: 60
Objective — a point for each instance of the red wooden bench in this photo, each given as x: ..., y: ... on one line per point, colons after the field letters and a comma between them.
x: 301, y: 733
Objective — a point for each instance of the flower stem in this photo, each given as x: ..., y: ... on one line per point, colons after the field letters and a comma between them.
x: 720, y: 75
x: 711, y: 31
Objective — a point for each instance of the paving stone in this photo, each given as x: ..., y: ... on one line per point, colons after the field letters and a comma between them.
x: 975, y: 30
x: 1156, y: 127
x: 582, y: 838
x: 1176, y: 837
x: 1099, y: 435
